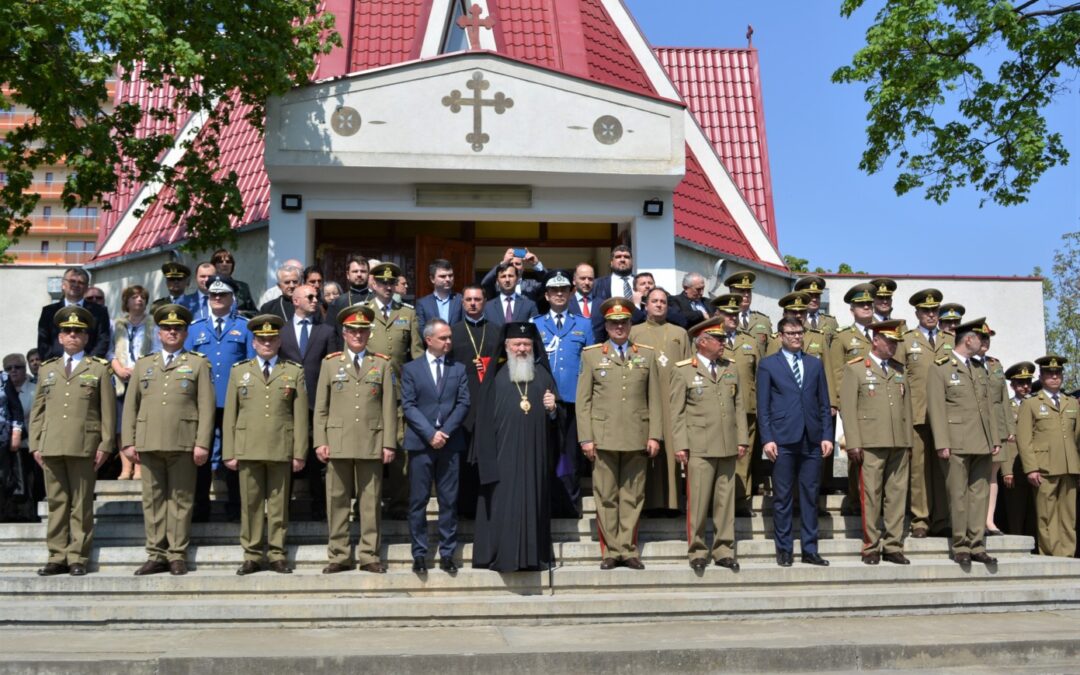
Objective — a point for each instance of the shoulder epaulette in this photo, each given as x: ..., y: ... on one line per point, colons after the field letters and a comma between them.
x: 144, y: 356
x: 195, y: 353
x: 240, y: 363
x: 685, y: 362
x: 855, y: 360
x: 100, y: 360
x: 638, y: 344
x: 405, y: 304
x: 943, y: 360
x: 381, y: 356
x: 55, y: 358
x: 826, y: 315
x: 598, y: 344
x: 754, y: 311
x: 990, y: 359
x: 330, y: 356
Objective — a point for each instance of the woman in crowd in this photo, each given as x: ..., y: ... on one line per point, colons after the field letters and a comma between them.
x: 132, y: 339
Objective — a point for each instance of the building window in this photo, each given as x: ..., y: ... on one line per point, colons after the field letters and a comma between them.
x: 456, y: 38
x: 44, y: 247
x: 79, y: 247
x: 49, y: 178
x: 46, y: 212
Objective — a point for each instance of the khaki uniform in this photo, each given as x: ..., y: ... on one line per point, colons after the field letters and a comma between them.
x: 619, y: 408
x: 744, y: 351
x: 672, y: 344
x: 999, y: 397
x: 827, y: 324
x: 815, y: 343
x: 758, y: 325
x: 708, y: 420
x: 1046, y: 436
x: 1020, y: 498
x: 167, y: 412
x: 265, y: 428
x: 356, y: 416
x: 961, y: 415
x: 926, y: 487
x: 848, y: 344
x: 72, y: 418
x: 876, y: 411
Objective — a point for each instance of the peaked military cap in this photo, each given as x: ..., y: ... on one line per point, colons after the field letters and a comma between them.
x: 357, y: 316
x: 386, y: 272
x: 796, y: 301
x: 859, y: 293
x: 884, y: 287
x: 713, y: 326
x: 172, y: 315
x: 74, y: 316
x: 741, y: 280
x: 928, y: 298
x: 175, y: 270
x: 1051, y: 362
x: 975, y: 326
x: 219, y: 283
x: 890, y: 329
x: 558, y: 280
x: 1025, y: 370
x: 616, y: 309
x: 728, y: 303
x: 951, y: 311
x: 814, y: 285
x: 266, y: 325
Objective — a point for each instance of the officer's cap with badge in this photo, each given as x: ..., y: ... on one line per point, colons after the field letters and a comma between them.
x: 727, y: 303
x: 1051, y: 363
x: 616, y: 309
x: 1025, y: 371
x: 713, y: 327
x: 219, y: 283
x: 175, y: 270
x: 266, y: 325
x: 743, y: 281
x: 796, y: 301
x: 357, y: 316
x: 951, y: 311
x: 891, y: 329
x: 385, y: 273
x: 977, y: 326
x: 814, y: 285
x: 928, y: 298
x: 172, y: 315
x: 558, y: 280
x: 859, y: 293
x: 74, y: 317
x: 883, y: 287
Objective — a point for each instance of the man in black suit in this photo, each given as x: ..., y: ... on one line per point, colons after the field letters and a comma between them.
x: 533, y: 289
x: 621, y: 280
x: 691, y: 302
x: 306, y: 341
x: 583, y: 300
x: 74, y: 285
x: 357, y: 292
x: 509, y: 305
x: 443, y: 303
x: 644, y: 283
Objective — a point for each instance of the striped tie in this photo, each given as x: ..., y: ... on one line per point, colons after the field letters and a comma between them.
x: 796, y: 370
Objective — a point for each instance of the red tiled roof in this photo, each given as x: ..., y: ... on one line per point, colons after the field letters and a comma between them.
x: 525, y: 29
x: 701, y: 217
x: 385, y: 32
x: 610, y: 59
x: 722, y: 88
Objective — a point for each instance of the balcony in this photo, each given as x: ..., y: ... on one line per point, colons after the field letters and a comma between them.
x: 11, y: 120
x: 50, y: 258
x: 63, y: 224
x: 48, y: 190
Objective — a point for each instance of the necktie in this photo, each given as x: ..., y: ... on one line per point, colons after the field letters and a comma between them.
x: 867, y: 331
x: 885, y: 368
x: 168, y: 360
x: 438, y: 373
x: 509, y: 308
x: 67, y: 367
x: 731, y: 341
x: 743, y: 321
x: 386, y: 312
x: 627, y: 291
x: 219, y: 323
x: 203, y: 310
x: 1057, y: 403
x: 931, y: 336
x: 266, y: 371
x: 622, y: 354
x: 796, y: 370
x: 558, y: 321
x: 813, y: 321
x: 304, y: 335
x: 712, y: 369
x: 356, y: 363
x: 585, y: 306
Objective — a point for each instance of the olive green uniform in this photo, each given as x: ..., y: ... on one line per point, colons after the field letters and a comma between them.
x: 708, y: 420
x: 619, y: 409
x: 744, y: 351
x: 356, y: 416
x: 815, y: 343
x: 848, y: 344
x: 168, y: 410
x: 827, y: 324
x: 999, y: 397
x: 1020, y: 498
x: 875, y: 407
x: 72, y: 418
x: 265, y: 427
x: 1046, y: 436
x: 758, y: 325
x: 962, y: 419
x: 929, y: 500
x: 672, y: 344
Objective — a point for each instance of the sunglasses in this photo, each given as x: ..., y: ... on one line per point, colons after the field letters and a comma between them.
x: 312, y: 297
x: 172, y: 329
x: 72, y: 331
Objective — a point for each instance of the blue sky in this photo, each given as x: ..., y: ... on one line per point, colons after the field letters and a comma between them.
x: 827, y: 210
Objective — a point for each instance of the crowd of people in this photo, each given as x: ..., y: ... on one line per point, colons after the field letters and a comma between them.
x: 500, y: 398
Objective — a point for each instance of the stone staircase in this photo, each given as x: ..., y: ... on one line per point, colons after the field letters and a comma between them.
x: 576, y: 591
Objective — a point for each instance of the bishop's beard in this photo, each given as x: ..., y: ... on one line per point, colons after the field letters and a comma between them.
x: 521, y: 368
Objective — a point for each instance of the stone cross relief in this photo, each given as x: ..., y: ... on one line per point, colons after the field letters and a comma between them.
x: 455, y: 101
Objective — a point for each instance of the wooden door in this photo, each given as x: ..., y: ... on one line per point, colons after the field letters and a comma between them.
x: 460, y: 254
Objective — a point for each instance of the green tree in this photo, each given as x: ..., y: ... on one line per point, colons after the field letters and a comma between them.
x: 796, y: 264
x: 221, y: 56
x: 1063, y: 293
x: 935, y: 107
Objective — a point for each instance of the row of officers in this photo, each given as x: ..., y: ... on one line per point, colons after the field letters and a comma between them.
x: 919, y: 408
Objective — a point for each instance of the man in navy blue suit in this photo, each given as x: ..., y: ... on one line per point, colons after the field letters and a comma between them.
x: 443, y: 303
x: 434, y: 400
x: 621, y: 280
x: 509, y: 306
x: 796, y: 430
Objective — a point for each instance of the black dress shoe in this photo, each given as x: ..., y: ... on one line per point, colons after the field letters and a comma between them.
x: 896, y: 558
x: 698, y: 564
x: 248, y: 567
x: 871, y: 558
x: 984, y: 558
x: 419, y: 564
x: 609, y: 564
x: 634, y: 563
x: 280, y: 566
x: 78, y: 570
x: 744, y: 512
x: 783, y: 558
x: 152, y: 567
x: 52, y: 569
x: 374, y: 568
x: 729, y: 563
x: 919, y: 532
x: 448, y: 565
x: 334, y: 568
x: 814, y: 559
x: 178, y: 568
x: 962, y: 559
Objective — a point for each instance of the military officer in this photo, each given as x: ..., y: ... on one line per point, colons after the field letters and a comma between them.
x: 745, y: 350
x: 883, y: 298
x: 814, y: 286
x: 918, y: 350
x: 966, y: 436
x: 1046, y: 436
x: 176, y: 276
x: 753, y: 322
x: 950, y: 315
x: 265, y: 440
x: 72, y: 427
x: 875, y: 405
x: 223, y: 337
x: 999, y: 397
x: 565, y: 335
x: 795, y: 305
x: 708, y: 434
x: 355, y: 435
x: 395, y: 333
x: 169, y: 428
x: 620, y: 425
x: 671, y: 344
x: 1019, y: 497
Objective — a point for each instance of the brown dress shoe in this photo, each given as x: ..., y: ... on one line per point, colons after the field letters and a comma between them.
x: 280, y: 566
x: 984, y: 558
x: 178, y: 568
x: 249, y: 567
x: 962, y: 559
x: 896, y: 558
x: 609, y: 564
x: 634, y: 563
x: 871, y: 558
x: 78, y: 570
x: 698, y: 564
x: 152, y: 567
x: 729, y: 563
x: 52, y: 569
x: 374, y: 568
x: 334, y: 568
x: 920, y: 532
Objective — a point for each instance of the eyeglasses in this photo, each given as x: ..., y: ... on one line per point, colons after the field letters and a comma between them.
x: 172, y: 329
x: 11, y: 368
x: 95, y: 298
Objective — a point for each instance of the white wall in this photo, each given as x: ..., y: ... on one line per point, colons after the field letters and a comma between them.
x: 29, y: 293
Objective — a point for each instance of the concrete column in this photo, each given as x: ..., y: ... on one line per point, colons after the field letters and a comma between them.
x: 291, y: 235
x: 654, y: 246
